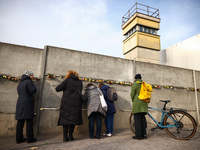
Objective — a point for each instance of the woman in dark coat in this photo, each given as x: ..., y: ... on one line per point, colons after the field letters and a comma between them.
x: 109, y: 120
x: 71, y: 104
x: 25, y: 108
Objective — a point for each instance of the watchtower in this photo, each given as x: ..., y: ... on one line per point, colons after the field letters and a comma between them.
x: 140, y: 26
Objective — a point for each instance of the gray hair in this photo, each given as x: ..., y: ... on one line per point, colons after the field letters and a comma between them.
x: 29, y: 73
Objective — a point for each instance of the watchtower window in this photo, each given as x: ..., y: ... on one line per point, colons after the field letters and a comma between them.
x: 147, y: 30
x: 141, y: 29
x: 130, y: 32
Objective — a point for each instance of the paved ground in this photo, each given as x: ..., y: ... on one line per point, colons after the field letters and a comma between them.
x: 121, y: 140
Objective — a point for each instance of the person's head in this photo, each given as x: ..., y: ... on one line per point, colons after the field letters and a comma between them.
x: 101, y: 85
x: 89, y: 84
x: 29, y: 73
x: 138, y: 76
x: 70, y: 72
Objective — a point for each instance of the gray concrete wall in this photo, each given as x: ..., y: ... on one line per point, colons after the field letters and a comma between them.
x: 88, y: 65
x: 179, y: 78
x: 14, y: 61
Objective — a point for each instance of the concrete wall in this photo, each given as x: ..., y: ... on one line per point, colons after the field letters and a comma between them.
x: 88, y: 65
x: 178, y: 78
x: 14, y: 61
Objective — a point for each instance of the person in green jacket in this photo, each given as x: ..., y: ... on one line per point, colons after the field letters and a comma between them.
x: 139, y: 109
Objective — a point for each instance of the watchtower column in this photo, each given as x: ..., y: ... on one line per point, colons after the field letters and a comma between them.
x: 140, y: 26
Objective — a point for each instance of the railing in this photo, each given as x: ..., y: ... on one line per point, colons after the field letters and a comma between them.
x: 140, y: 8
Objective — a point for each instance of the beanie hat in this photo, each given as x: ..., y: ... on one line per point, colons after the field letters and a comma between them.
x: 29, y: 73
x: 138, y: 76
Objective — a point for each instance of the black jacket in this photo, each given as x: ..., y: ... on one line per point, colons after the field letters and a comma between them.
x: 25, y: 102
x: 71, y: 103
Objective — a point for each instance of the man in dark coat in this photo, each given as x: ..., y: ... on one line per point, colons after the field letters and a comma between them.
x: 71, y: 104
x: 25, y: 108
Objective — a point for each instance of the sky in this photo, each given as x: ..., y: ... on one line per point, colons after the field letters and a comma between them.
x: 90, y: 25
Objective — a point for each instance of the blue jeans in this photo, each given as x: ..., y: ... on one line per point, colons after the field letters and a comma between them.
x: 109, y: 120
x: 95, y: 116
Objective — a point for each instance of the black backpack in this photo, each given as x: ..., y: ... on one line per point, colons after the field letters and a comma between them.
x: 111, y: 94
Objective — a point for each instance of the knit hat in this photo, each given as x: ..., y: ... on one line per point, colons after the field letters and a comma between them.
x: 29, y: 73
x: 138, y: 76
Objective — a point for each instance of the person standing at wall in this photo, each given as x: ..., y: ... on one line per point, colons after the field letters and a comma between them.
x: 109, y: 120
x: 71, y: 104
x: 25, y: 108
x: 140, y: 109
x: 95, y: 112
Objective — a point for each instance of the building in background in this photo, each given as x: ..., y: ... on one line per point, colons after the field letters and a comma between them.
x: 185, y: 54
x: 140, y: 25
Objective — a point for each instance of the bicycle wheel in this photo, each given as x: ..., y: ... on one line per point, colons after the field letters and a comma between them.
x: 132, y: 123
x: 186, y: 125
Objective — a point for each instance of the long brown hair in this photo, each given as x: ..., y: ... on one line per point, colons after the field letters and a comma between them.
x: 70, y: 72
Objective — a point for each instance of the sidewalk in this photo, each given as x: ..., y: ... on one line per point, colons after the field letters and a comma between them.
x: 121, y: 140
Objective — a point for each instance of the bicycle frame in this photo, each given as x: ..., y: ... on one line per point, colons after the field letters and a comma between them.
x: 162, y: 118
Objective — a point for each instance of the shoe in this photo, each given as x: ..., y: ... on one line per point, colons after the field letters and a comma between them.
x: 66, y: 139
x: 31, y: 141
x: 137, y: 138
x: 23, y: 140
x: 71, y: 138
x: 97, y: 137
x: 104, y: 134
x: 145, y: 137
x: 109, y: 134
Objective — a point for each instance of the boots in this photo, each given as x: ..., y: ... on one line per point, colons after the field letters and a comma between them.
x: 71, y: 138
x: 71, y: 130
x: 65, y: 131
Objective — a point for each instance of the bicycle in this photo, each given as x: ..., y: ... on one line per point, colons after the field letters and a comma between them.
x: 177, y: 122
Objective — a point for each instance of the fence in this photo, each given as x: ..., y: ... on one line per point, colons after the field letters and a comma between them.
x: 140, y: 8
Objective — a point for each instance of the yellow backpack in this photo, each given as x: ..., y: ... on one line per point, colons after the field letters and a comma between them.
x: 145, y: 92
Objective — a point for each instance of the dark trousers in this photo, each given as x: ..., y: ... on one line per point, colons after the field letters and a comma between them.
x: 29, y: 130
x: 68, y: 129
x: 95, y: 116
x: 140, y: 124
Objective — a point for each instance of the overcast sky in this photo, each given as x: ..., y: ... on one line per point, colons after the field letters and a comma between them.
x: 90, y: 25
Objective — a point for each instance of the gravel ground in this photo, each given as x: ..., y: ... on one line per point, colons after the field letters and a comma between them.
x: 121, y: 140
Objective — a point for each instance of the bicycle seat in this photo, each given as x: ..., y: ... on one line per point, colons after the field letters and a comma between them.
x: 165, y: 101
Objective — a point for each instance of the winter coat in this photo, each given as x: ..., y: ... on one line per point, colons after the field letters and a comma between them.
x: 71, y: 103
x: 25, y: 102
x: 138, y: 105
x: 91, y: 95
x: 111, y: 105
